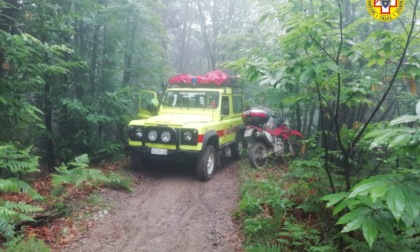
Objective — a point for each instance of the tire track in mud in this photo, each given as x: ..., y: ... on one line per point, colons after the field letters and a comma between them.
x: 170, y: 211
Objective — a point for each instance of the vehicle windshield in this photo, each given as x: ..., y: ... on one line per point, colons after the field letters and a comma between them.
x: 191, y: 99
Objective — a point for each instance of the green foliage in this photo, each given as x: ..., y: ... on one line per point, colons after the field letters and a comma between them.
x: 24, y: 69
x: 77, y: 173
x: 14, y: 163
x: 266, y: 208
x: 264, y: 248
x: 380, y: 205
x: 12, y: 213
x: 20, y: 244
x: 386, y: 206
x: 99, y: 125
x: 17, y: 162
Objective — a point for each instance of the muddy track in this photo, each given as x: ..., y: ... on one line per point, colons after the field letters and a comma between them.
x: 170, y: 210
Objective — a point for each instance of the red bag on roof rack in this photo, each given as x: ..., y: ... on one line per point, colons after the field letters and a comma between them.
x: 216, y: 78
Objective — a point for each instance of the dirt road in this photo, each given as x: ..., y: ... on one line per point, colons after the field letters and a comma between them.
x: 170, y: 210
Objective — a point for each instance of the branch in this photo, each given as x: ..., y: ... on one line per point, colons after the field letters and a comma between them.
x: 322, y: 48
x: 337, y: 105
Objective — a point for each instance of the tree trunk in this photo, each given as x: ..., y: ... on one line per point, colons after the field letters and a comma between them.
x: 93, y: 63
x: 128, y: 57
x: 298, y: 118
x: 311, y: 121
x: 48, y: 121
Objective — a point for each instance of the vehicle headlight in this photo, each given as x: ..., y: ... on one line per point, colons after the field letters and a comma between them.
x: 188, y: 136
x: 165, y: 136
x: 139, y: 132
x: 152, y: 135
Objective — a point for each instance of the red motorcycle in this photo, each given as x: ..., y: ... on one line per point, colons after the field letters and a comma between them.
x: 267, y: 135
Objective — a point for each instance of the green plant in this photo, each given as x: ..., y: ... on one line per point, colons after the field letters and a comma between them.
x: 16, y: 163
x: 20, y: 244
x: 264, y: 248
x: 77, y: 173
x: 386, y: 205
x: 298, y: 236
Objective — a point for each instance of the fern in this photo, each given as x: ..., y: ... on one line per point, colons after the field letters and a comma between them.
x: 79, y: 174
x: 12, y: 213
x: 16, y: 161
x: 19, y: 244
x: 14, y: 185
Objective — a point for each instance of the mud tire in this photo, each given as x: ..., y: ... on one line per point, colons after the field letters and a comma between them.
x: 255, y: 155
x: 237, y: 148
x: 139, y: 163
x: 206, y: 163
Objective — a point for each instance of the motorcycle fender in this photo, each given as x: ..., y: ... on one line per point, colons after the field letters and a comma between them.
x: 270, y: 138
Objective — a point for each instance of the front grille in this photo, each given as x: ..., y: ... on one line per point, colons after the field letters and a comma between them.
x: 178, y: 136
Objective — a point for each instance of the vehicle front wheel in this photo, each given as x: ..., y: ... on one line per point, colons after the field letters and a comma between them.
x: 257, y: 155
x: 206, y: 163
x: 135, y: 163
x: 138, y: 162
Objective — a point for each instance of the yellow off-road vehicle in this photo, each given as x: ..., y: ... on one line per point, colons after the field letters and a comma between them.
x: 192, y: 122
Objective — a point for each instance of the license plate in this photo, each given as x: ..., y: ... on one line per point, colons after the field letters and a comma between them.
x: 248, y: 133
x: 159, y: 151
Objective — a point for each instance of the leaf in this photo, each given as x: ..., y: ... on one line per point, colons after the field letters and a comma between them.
x: 360, y: 212
x: 386, y: 229
x: 418, y: 108
x: 412, y: 204
x: 396, y: 201
x: 3, y: 100
x: 400, y: 140
x: 340, y: 206
x: 405, y: 119
x: 354, y: 224
x: 367, y: 185
x: 334, y: 198
x: 370, y: 230
x: 387, y: 49
x: 378, y: 191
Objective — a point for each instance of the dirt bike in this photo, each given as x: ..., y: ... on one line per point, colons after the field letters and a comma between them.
x: 266, y: 135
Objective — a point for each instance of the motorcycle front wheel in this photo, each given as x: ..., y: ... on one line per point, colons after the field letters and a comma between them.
x: 258, y: 155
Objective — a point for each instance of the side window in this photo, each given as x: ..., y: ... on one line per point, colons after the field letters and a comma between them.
x: 147, y: 99
x: 238, y: 104
x: 225, y: 105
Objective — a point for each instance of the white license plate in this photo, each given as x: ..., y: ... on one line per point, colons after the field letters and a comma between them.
x: 248, y: 133
x: 159, y: 151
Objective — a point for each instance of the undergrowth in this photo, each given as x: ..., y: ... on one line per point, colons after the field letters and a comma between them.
x: 20, y: 203
x: 280, y: 211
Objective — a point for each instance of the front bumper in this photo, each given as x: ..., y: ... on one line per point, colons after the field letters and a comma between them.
x: 171, y: 155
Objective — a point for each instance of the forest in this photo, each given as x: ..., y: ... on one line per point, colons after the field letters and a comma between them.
x: 71, y: 72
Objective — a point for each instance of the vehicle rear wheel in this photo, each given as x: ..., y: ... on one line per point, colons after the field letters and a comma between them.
x: 206, y: 163
x: 257, y: 155
x: 237, y: 148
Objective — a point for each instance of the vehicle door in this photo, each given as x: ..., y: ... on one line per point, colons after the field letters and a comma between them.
x: 228, y: 120
x: 148, y: 104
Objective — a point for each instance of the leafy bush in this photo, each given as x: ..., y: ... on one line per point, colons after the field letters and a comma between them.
x: 386, y: 207
x: 267, y: 208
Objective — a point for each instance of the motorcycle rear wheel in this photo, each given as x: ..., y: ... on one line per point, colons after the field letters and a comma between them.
x: 258, y: 155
